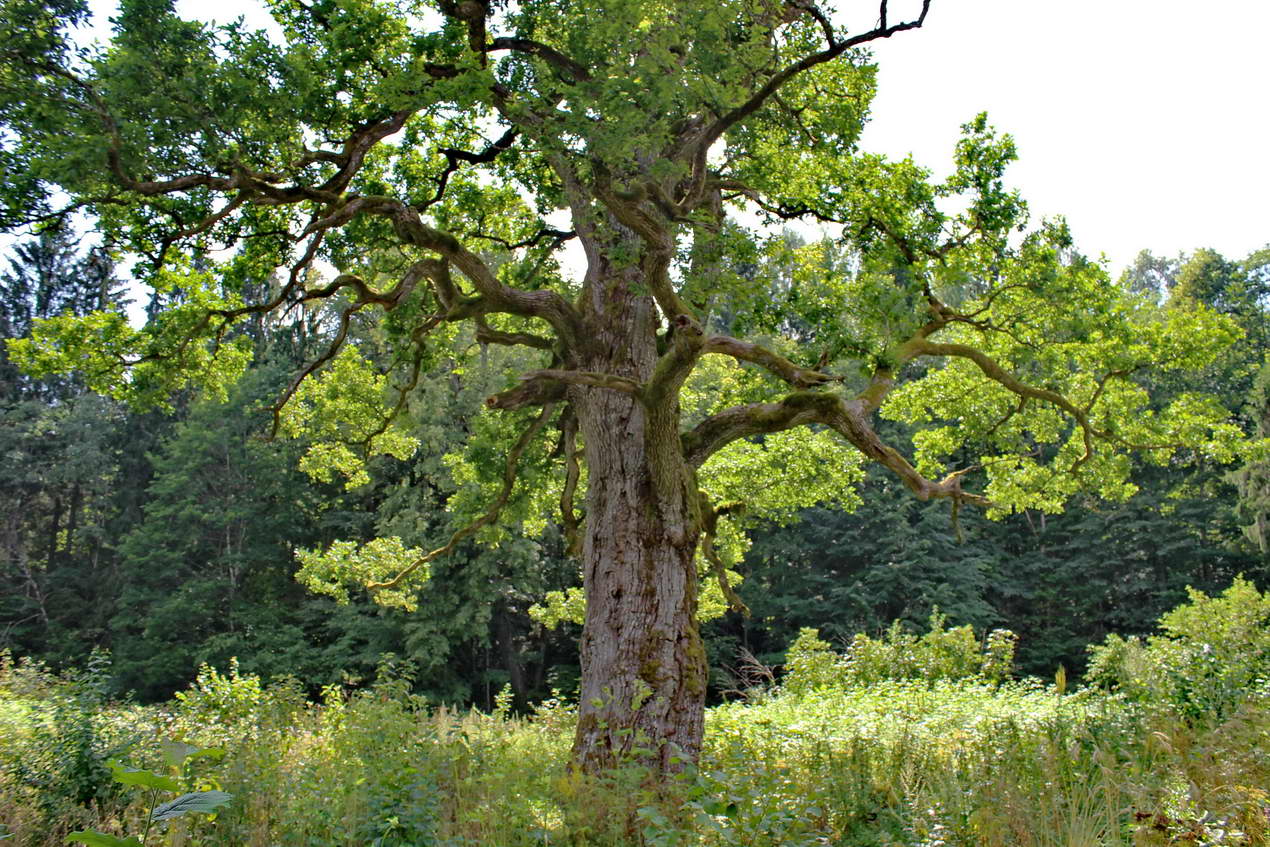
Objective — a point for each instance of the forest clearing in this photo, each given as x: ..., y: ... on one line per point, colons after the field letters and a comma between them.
x: 509, y: 422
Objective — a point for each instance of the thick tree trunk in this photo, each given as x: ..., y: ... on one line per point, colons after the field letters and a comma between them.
x: 643, y: 663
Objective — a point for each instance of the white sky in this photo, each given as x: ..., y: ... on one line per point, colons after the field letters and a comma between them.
x: 1145, y: 122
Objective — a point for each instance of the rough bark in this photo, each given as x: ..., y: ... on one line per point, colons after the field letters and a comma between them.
x: 643, y: 664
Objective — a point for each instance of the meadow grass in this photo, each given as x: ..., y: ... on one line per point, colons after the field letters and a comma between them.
x: 893, y: 763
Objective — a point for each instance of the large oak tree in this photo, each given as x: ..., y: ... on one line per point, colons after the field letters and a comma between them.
x: 421, y: 166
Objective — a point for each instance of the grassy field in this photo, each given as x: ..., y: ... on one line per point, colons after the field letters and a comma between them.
x: 929, y: 760
x: 894, y: 763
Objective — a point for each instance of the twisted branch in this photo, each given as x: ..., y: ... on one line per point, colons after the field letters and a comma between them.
x: 709, y: 529
x: 849, y: 418
x: 572, y: 70
x: 745, y: 351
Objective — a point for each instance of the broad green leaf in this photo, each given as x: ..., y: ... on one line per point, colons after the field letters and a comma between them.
x: 177, y: 752
x: 141, y: 777
x: 204, y: 802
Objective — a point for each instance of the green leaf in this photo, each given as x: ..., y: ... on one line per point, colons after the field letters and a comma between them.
x: 101, y: 839
x: 140, y: 777
x: 205, y: 802
x: 177, y: 752
x: 346, y: 563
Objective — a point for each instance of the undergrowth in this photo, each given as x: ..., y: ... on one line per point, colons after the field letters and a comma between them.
x: 960, y: 759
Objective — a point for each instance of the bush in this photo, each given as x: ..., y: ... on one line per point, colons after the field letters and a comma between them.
x: 941, y: 653
x: 1211, y: 654
x: 56, y: 759
x: 896, y: 763
x: 811, y: 664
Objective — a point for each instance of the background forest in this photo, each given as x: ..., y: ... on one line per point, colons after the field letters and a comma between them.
x: 168, y: 538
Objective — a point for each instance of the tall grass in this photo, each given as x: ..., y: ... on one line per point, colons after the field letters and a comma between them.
x: 897, y: 762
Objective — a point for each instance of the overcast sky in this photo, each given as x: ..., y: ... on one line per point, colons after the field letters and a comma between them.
x: 1143, y: 121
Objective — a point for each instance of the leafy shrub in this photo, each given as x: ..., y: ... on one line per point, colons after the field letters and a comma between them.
x: 357, y: 769
x: 811, y: 664
x: 941, y: 653
x: 909, y: 762
x: 60, y: 759
x: 966, y: 762
x: 217, y: 698
x: 1211, y: 654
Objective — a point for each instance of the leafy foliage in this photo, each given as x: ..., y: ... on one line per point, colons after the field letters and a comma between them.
x: 207, y: 802
x: 339, y: 408
x: 994, y: 314
x: 1212, y: 654
x: 420, y: 151
x: 331, y: 571
x: 64, y: 762
x: 940, y: 653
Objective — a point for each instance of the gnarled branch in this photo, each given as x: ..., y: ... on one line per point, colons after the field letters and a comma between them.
x: 849, y: 418
x: 497, y: 296
x: 593, y: 379
x: 573, y: 71
x: 676, y: 363
x: 454, y: 158
x: 532, y: 391
x: 745, y: 351
x: 485, y: 334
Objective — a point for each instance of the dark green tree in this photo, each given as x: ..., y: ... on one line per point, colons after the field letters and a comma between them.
x: 893, y: 558
x: 49, y: 276
x: 206, y: 574
x: 1253, y: 479
x: 59, y: 458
